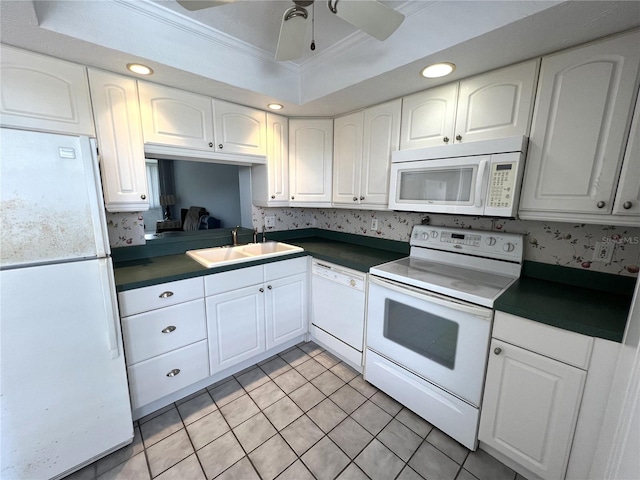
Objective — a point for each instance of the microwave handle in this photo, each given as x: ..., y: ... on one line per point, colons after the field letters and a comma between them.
x: 482, y: 167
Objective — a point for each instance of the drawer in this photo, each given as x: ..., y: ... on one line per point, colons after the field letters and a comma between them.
x: 233, y: 279
x: 568, y: 347
x: 157, y: 296
x: 160, y: 331
x: 152, y: 379
x: 285, y: 268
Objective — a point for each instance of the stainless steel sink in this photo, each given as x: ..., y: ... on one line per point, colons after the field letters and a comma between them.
x: 219, y: 256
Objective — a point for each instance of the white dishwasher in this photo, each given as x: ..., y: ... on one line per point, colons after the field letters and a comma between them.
x: 338, y: 309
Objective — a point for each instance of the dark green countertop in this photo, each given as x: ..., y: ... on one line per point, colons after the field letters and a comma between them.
x: 593, y: 304
x: 352, y: 251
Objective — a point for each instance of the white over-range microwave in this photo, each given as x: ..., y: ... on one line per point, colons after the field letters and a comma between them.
x: 480, y: 178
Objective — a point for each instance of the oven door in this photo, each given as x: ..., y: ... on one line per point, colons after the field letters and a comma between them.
x: 440, y: 339
x: 454, y: 185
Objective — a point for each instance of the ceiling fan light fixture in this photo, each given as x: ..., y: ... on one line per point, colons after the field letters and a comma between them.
x: 438, y: 70
x: 293, y: 31
x: 275, y: 106
x: 139, y: 69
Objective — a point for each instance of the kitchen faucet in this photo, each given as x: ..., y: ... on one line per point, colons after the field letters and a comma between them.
x: 234, y: 235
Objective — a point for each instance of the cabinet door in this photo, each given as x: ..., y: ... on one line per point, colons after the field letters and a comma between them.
x: 43, y: 93
x: 381, y: 137
x: 530, y: 408
x: 310, y: 157
x: 286, y: 309
x: 581, y: 116
x: 120, y: 143
x: 497, y: 104
x: 628, y: 193
x: 235, y: 326
x: 428, y: 117
x: 347, y: 158
x: 175, y: 117
x: 270, y: 182
x: 239, y: 129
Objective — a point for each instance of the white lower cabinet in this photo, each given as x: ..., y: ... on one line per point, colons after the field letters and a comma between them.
x: 235, y: 324
x: 533, y: 391
x: 254, y: 309
x: 179, y: 334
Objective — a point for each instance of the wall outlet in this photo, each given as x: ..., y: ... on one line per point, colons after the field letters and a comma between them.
x: 269, y: 222
x: 603, y: 252
x: 374, y: 224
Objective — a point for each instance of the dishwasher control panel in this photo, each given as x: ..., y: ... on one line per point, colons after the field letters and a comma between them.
x: 340, y: 275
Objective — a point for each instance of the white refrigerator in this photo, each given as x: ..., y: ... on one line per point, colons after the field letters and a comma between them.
x: 64, y: 399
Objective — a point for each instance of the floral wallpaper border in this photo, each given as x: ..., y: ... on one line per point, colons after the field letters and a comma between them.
x: 566, y: 244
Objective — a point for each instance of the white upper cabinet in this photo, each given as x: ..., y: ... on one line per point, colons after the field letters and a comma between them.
x: 120, y: 144
x: 175, y: 118
x: 428, y: 117
x: 492, y: 105
x: 578, y: 137
x: 348, y: 132
x: 363, y: 142
x: 310, y: 159
x: 239, y: 129
x: 628, y: 194
x: 44, y: 93
x: 270, y: 182
x: 496, y: 104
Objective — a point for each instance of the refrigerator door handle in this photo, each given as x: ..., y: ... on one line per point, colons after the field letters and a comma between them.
x: 111, y: 307
x: 92, y: 169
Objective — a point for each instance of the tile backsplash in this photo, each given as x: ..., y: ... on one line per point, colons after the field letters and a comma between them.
x: 566, y: 244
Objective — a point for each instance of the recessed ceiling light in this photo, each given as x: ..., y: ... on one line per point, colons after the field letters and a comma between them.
x: 438, y: 70
x: 139, y: 69
x: 275, y: 106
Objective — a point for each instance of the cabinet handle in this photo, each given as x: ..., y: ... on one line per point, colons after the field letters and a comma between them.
x: 166, y: 294
x: 210, y: 144
x: 143, y: 196
x: 220, y: 146
x: 600, y: 204
x: 497, y: 350
x: 168, y: 329
x: 361, y: 198
x: 293, y: 198
x: 459, y: 138
x: 269, y: 287
x: 355, y: 199
x: 261, y: 290
x: 273, y: 197
x: 445, y: 139
x: 626, y: 205
x: 173, y: 372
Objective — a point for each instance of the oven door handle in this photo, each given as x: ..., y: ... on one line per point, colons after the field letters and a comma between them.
x: 433, y: 297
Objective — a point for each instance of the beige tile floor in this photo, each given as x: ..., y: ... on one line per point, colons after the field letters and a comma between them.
x: 299, y: 415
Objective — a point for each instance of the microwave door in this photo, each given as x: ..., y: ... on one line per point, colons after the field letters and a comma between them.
x: 439, y: 186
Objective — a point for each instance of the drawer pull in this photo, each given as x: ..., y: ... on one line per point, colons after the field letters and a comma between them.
x: 168, y: 329
x: 166, y: 294
x: 173, y: 372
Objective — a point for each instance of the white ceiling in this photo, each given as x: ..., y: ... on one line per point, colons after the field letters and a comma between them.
x: 227, y: 52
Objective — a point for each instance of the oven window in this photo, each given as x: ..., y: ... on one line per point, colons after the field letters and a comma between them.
x: 451, y: 185
x: 427, y: 335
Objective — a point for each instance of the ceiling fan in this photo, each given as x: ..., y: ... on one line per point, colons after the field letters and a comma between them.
x: 370, y: 16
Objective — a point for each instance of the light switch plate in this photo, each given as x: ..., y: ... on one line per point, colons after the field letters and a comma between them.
x: 374, y: 224
x: 603, y: 252
x: 269, y: 222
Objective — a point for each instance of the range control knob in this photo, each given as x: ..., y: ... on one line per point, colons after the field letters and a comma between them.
x: 508, y: 247
x: 434, y: 234
x: 491, y: 241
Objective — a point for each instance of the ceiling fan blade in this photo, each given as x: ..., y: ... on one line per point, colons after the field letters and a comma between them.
x: 370, y: 16
x: 193, y: 5
x: 293, y: 32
